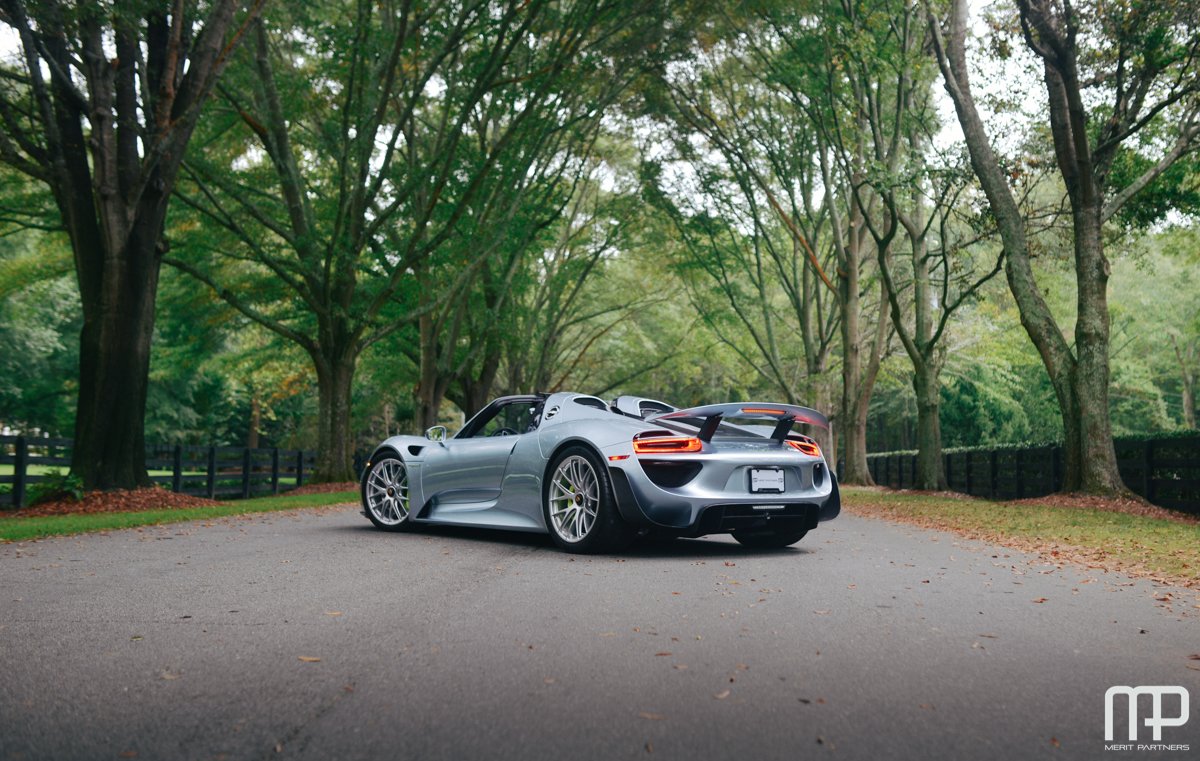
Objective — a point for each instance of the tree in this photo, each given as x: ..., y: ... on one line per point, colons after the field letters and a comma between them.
x: 100, y: 111
x: 785, y: 231
x: 398, y: 143
x: 881, y: 84
x: 1129, y: 76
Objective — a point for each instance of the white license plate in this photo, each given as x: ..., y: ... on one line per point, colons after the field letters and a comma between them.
x: 766, y: 480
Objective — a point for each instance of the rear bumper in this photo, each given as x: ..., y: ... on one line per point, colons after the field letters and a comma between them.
x: 695, y: 517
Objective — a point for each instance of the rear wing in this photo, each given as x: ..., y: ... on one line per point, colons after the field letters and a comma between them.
x: 712, y: 414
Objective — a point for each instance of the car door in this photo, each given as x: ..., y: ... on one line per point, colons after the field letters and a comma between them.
x: 466, y: 473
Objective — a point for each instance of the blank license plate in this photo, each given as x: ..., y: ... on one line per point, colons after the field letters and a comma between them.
x: 766, y: 480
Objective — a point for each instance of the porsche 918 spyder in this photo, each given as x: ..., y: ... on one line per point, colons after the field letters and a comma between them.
x: 593, y: 474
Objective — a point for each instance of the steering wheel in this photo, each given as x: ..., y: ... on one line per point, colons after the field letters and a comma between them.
x: 503, y: 432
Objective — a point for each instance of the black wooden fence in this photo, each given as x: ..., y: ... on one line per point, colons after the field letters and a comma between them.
x: 1166, y: 471
x: 213, y: 472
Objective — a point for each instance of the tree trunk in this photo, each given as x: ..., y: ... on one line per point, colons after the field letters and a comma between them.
x: 1189, y: 401
x: 1095, y: 468
x: 335, y: 450
x: 1188, y: 381
x: 118, y: 292
x: 854, y: 435
x: 255, y: 421
x: 431, y: 387
x: 930, y: 471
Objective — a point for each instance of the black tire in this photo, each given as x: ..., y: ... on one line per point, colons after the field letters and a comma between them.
x: 565, y: 508
x: 384, y: 492
x: 768, y: 540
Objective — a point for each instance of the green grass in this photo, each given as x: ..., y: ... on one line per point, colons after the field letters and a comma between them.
x: 19, y: 529
x: 45, y: 470
x: 1119, y: 540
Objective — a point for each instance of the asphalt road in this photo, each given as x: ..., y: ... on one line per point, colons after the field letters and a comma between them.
x: 867, y: 641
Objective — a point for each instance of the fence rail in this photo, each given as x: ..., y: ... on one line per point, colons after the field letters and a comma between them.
x: 1166, y: 471
x: 212, y: 471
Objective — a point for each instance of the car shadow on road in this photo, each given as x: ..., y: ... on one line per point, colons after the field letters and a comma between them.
x: 645, y: 547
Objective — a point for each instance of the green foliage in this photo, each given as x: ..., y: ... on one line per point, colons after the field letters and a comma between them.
x: 1175, y: 190
x: 39, y: 344
x: 55, y: 486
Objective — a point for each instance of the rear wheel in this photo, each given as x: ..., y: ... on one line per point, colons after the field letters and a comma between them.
x: 385, y: 493
x: 769, y: 540
x: 579, y: 506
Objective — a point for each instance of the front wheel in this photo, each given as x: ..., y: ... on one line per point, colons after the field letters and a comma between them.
x: 769, y: 540
x: 385, y: 493
x: 579, y: 506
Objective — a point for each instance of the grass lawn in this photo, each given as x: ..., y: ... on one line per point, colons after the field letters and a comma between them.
x: 18, y: 529
x: 1145, y: 546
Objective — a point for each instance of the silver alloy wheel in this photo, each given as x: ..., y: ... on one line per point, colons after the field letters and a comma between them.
x: 574, y: 499
x: 387, y: 491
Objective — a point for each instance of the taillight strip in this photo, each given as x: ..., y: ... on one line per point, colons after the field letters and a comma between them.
x: 667, y: 445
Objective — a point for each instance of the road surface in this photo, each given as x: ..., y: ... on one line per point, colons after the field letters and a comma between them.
x: 310, y: 635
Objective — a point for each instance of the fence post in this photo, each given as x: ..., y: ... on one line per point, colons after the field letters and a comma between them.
x: 246, y: 473
x: 970, y: 456
x: 212, y: 472
x: 177, y: 470
x: 995, y: 463
x: 299, y: 468
x: 275, y: 470
x: 20, y: 457
x: 1148, y: 471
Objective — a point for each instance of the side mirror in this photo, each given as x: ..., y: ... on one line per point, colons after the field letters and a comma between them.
x: 436, y: 433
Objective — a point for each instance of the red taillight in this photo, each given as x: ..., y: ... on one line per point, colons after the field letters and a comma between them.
x: 807, y: 447
x: 666, y: 445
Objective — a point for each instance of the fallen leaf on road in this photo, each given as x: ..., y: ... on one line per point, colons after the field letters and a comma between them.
x: 548, y: 680
x: 721, y: 695
x: 805, y: 701
x: 1054, y: 741
x: 683, y: 667
x: 989, y: 636
x: 333, y: 613
x: 608, y: 634
x: 1194, y: 657
x: 657, y: 655
x: 651, y: 716
x: 649, y: 747
x: 729, y: 564
x: 926, y: 706
x: 310, y: 659
x: 168, y: 676
x: 822, y: 612
x: 1039, y: 599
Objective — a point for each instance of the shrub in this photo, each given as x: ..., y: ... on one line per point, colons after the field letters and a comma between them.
x: 55, y: 486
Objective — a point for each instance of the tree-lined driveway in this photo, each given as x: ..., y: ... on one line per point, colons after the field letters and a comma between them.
x: 311, y: 635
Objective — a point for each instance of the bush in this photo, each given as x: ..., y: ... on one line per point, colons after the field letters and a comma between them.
x: 54, y: 487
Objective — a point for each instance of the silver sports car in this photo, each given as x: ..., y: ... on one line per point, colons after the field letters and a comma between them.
x: 593, y: 474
